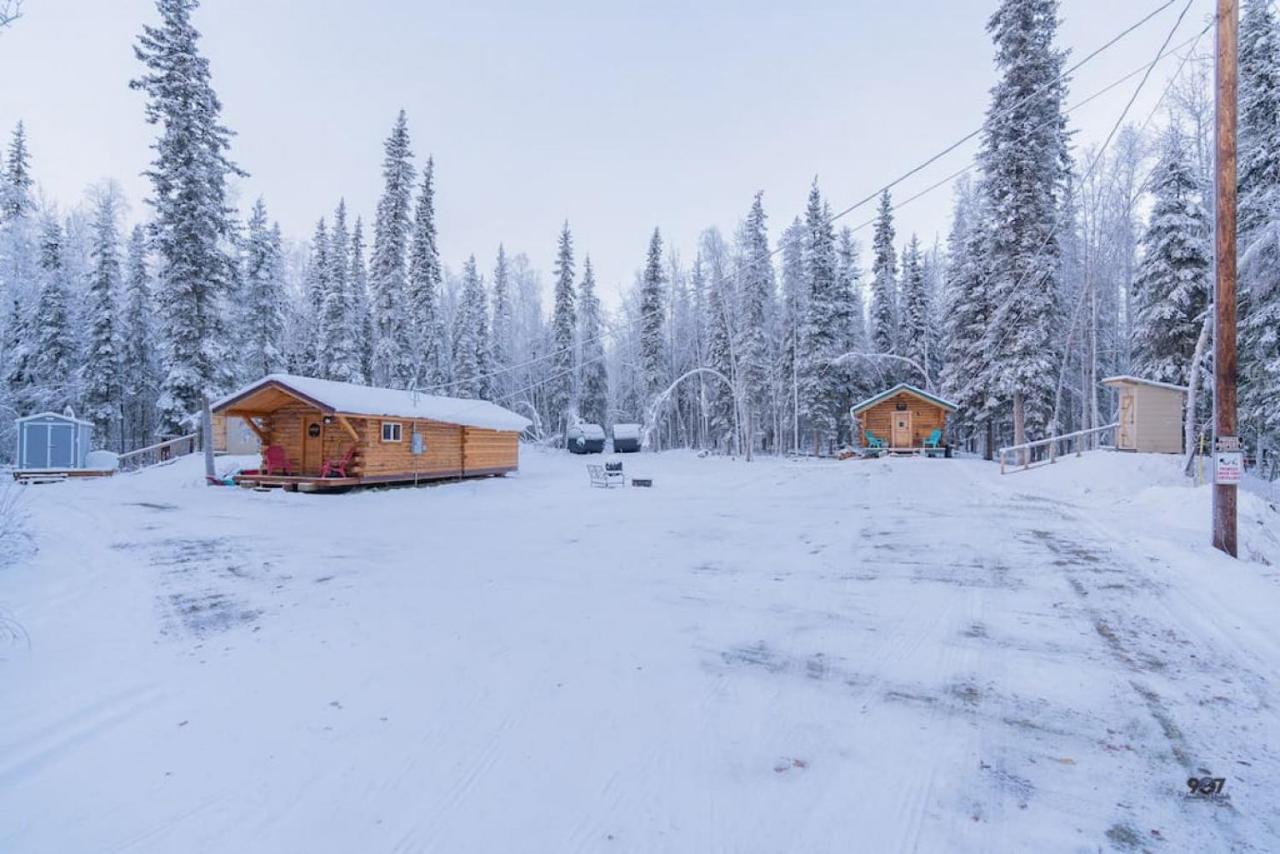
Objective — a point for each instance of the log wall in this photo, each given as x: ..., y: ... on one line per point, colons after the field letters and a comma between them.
x: 451, y: 450
x: 925, y: 418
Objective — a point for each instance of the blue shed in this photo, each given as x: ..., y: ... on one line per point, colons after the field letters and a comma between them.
x: 52, y: 441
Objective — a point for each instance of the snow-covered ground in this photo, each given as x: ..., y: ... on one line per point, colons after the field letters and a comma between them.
x: 776, y: 656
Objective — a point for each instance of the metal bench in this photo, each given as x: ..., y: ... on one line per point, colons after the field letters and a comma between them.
x: 606, y: 475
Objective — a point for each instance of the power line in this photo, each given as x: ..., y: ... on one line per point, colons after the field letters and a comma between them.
x: 1193, y: 41
x: 740, y: 269
x: 1058, y: 220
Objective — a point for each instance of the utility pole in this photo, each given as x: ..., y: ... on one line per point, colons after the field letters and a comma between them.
x: 1227, y: 451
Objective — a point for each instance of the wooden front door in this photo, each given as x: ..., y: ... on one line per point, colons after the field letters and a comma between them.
x: 901, y: 429
x: 1127, y: 440
x: 312, y: 445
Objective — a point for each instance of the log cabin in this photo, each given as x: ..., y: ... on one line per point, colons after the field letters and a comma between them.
x: 329, y: 434
x: 903, y: 417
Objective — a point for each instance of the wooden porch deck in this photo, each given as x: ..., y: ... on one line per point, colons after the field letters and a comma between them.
x: 295, y: 483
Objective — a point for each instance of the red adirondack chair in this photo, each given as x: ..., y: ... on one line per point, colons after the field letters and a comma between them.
x: 277, y: 462
x: 338, y: 468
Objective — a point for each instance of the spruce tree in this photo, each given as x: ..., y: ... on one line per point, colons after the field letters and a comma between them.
x: 15, y: 190
x: 100, y: 372
x: 358, y: 280
x: 188, y: 176
x: 721, y: 404
x: 1259, y: 111
x: 851, y: 329
x: 562, y: 380
x: 54, y: 355
x: 756, y: 294
x: 316, y: 285
x: 341, y: 324
x: 502, y: 343
x: 916, y: 312
x: 1259, y: 225
x: 883, y: 319
x: 138, y: 370
x: 653, y: 321
x: 966, y: 379
x: 19, y: 361
x: 593, y: 398
x: 1173, y: 281
x: 393, y: 355
x: 471, y: 337
x: 821, y: 383
x: 795, y: 304
x: 425, y: 277
x: 1024, y: 163
x: 263, y: 308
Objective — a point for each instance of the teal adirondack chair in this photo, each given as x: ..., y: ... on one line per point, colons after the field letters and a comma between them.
x: 933, y: 444
x: 873, y: 442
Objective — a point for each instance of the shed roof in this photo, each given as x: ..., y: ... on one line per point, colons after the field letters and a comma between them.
x: 352, y: 399
x: 58, y: 415
x: 1125, y: 379
x: 909, y: 389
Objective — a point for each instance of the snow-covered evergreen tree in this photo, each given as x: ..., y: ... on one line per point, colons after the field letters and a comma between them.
x: 1024, y: 162
x: 315, y: 286
x: 883, y: 315
x: 562, y: 379
x: 502, y: 343
x: 1173, y: 281
x: 340, y: 326
x: 393, y: 354
x: 358, y: 280
x: 100, y: 371
x: 15, y: 189
x: 1259, y: 117
x: 756, y: 295
x: 471, y: 337
x: 263, y: 307
x: 966, y: 377
x: 54, y: 356
x: 795, y: 304
x: 721, y: 349
x: 915, y: 312
x: 188, y: 176
x: 653, y: 321
x: 425, y: 277
x: 852, y: 323
x: 593, y: 397
x: 821, y: 382
x: 139, y: 379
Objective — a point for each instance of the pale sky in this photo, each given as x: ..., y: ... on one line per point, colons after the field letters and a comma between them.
x: 616, y: 116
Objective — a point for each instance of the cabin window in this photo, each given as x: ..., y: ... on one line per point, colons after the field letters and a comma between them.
x: 391, y: 431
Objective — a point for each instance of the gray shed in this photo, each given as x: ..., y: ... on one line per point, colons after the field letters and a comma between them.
x: 52, y: 441
x: 1150, y: 415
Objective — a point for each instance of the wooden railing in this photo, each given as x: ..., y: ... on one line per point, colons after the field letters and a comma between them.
x: 1068, y: 443
x: 160, y: 452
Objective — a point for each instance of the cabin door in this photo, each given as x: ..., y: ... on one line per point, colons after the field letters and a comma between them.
x: 1127, y: 440
x: 901, y: 429
x: 312, y: 445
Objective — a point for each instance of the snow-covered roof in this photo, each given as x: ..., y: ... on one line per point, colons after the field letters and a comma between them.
x: 58, y: 415
x: 626, y: 431
x: 352, y: 399
x: 1125, y: 378
x: 587, y: 431
x: 900, y: 387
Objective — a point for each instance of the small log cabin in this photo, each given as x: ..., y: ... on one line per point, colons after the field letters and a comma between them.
x: 902, y: 417
x: 378, y: 435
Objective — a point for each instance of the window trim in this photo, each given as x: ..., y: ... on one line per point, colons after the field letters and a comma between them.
x: 399, y: 431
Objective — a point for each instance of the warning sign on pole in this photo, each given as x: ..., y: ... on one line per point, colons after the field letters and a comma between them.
x: 1228, y: 460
